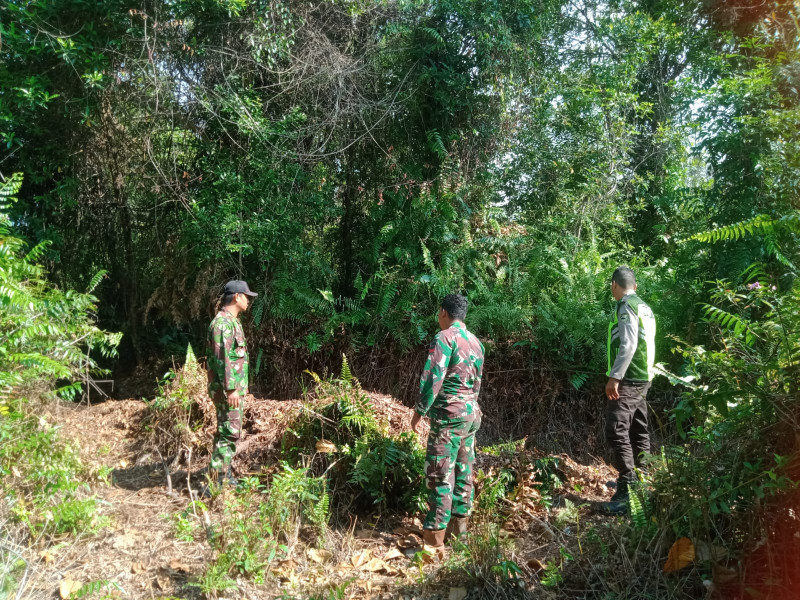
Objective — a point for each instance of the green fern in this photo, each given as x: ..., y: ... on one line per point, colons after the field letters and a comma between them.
x: 638, y: 515
x: 320, y: 511
x: 388, y: 294
x: 95, y: 281
x: 768, y: 227
x: 758, y: 224
x: 578, y: 379
x: 94, y: 587
x: 435, y: 35
x: 345, y: 374
x: 436, y: 144
x: 729, y: 321
x: 8, y: 191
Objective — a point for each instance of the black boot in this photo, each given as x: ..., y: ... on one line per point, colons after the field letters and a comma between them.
x: 213, y: 479
x: 619, y: 502
x: 228, y: 478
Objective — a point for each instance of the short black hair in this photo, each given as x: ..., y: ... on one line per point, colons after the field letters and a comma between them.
x: 227, y: 299
x: 455, y: 305
x: 624, y: 277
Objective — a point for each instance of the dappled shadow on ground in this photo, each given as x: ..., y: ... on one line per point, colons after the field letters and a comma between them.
x: 142, y: 551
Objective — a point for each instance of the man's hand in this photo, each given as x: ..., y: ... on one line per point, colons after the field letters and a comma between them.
x: 233, y: 398
x: 415, y: 422
x: 612, y: 389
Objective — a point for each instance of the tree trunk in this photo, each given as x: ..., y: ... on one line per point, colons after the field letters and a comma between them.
x: 349, y: 198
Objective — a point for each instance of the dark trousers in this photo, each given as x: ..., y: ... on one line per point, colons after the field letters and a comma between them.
x: 626, y: 428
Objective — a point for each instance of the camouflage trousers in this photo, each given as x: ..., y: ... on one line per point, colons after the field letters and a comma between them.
x: 448, y: 469
x: 229, y: 430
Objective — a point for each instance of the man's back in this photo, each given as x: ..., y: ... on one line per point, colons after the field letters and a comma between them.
x: 631, y: 341
x: 451, y: 381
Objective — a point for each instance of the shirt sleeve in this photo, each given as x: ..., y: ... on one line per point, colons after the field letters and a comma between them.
x: 430, y: 383
x: 628, y: 327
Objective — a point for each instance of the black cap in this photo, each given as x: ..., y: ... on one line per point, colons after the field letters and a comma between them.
x: 237, y: 286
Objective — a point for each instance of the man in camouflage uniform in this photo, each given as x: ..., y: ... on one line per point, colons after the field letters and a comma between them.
x: 227, y: 364
x: 449, y: 390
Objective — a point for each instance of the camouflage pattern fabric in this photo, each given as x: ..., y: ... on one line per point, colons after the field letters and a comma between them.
x: 226, y: 354
x: 229, y: 430
x: 448, y: 468
x: 451, y: 381
x: 228, y: 370
x: 449, y: 390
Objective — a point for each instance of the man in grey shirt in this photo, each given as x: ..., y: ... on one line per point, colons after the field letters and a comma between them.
x: 631, y: 356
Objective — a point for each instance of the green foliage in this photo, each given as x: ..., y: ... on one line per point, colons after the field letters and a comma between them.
x: 12, y: 570
x: 357, y: 167
x: 491, y: 489
x: 374, y: 466
x: 547, y: 473
x: 187, y: 528
x: 215, y: 579
x: 333, y: 593
x: 178, y: 412
x: 567, y: 515
x: 504, y: 449
x: 296, y: 497
x: 40, y: 477
x: 47, y: 334
x: 102, y: 589
x: 488, y: 562
x: 258, y: 524
x: 638, y: 515
x: 746, y: 384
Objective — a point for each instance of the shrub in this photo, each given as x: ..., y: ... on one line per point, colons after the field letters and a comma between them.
x: 371, y: 466
x: 488, y: 561
x: 177, y: 414
x: 40, y: 477
x: 259, y: 524
x: 745, y: 386
x: 47, y: 334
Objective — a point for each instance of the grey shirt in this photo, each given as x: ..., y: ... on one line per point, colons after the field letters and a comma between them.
x: 628, y: 329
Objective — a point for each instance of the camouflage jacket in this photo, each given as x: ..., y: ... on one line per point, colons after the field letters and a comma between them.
x: 226, y: 355
x: 451, y: 381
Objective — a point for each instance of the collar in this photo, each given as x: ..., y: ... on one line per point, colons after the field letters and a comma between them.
x: 225, y: 310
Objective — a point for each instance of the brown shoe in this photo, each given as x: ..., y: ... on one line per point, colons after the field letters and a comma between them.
x: 456, y: 529
x: 433, y: 542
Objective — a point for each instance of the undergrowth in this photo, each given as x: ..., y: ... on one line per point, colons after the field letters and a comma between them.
x: 339, y: 436
x: 486, y: 563
x: 258, y: 525
x: 42, y: 479
x: 178, y: 413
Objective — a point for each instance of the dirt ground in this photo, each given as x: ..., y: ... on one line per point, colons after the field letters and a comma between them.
x: 139, y: 552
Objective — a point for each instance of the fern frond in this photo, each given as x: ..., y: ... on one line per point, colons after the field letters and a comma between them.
x: 9, y: 188
x: 729, y: 321
x: 435, y: 35
x: 578, y: 379
x: 436, y: 144
x: 638, y: 515
x: 346, y: 375
x: 96, y: 281
x: 754, y: 272
x: 759, y: 224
